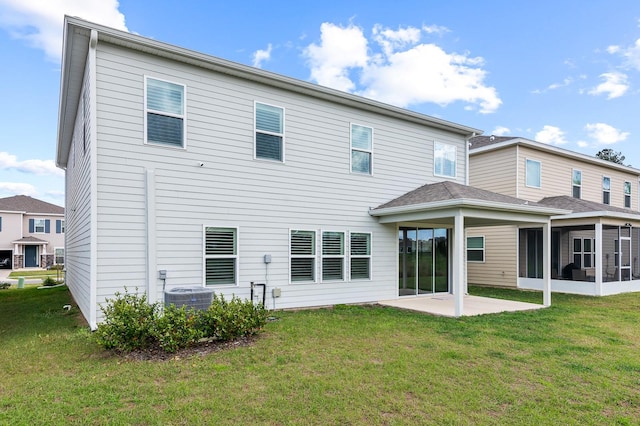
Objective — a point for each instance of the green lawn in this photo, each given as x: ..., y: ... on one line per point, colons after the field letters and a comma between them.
x: 36, y: 273
x: 577, y: 362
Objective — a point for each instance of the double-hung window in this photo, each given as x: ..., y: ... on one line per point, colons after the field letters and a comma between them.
x: 475, y: 249
x: 39, y: 226
x: 221, y: 255
x: 627, y: 195
x: 333, y: 256
x: 361, y: 149
x: 533, y: 173
x: 269, y: 121
x: 59, y: 255
x: 606, y: 190
x: 444, y: 159
x: 576, y: 183
x: 302, y: 246
x: 360, y: 250
x: 164, y: 113
x: 584, y: 253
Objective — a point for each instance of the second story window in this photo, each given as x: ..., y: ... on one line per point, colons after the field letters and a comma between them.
x: 269, y: 143
x: 361, y: 148
x: 533, y: 173
x: 576, y: 182
x: 606, y: 190
x: 39, y: 226
x: 444, y: 159
x: 627, y: 195
x: 164, y: 113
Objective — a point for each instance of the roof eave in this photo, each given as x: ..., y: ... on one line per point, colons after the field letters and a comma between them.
x: 472, y: 203
x: 596, y: 214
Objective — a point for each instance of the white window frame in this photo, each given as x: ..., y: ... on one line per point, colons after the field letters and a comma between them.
x: 182, y: 116
x: 35, y: 226
x: 256, y: 131
x: 235, y: 256
x: 605, y: 190
x: 369, y: 151
x: 55, y: 255
x: 482, y: 249
x: 313, y: 256
x: 360, y: 256
x: 343, y: 256
x: 444, y: 147
x: 582, y: 253
x: 625, y: 194
x: 573, y: 185
x: 526, y: 173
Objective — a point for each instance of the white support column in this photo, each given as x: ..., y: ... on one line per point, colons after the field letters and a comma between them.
x: 458, y: 264
x: 546, y: 263
x: 598, y: 261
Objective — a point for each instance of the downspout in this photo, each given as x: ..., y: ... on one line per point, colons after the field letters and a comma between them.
x: 93, y: 269
x: 150, y: 201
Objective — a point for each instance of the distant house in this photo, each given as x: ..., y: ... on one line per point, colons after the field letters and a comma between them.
x: 31, y: 233
x: 595, y: 248
x: 184, y: 169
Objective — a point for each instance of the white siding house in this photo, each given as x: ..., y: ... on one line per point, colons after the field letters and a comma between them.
x: 222, y: 174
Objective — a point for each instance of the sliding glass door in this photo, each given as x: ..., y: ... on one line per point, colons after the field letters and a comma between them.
x: 423, y: 266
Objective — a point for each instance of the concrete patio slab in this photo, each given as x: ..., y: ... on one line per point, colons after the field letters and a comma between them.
x: 444, y: 305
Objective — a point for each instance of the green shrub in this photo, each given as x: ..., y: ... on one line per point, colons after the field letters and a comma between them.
x: 49, y: 281
x: 227, y: 320
x: 177, y: 328
x: 128, y: 322
x: 131, y: 323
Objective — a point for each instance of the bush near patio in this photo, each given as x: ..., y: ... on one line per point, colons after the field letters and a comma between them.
x: 131, y: 323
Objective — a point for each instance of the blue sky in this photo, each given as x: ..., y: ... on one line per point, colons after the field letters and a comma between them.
x: 564, y: 72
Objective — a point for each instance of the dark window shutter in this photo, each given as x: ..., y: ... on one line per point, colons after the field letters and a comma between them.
x: 31, y: 226
x: 47, y: 226
x: 58, y: 226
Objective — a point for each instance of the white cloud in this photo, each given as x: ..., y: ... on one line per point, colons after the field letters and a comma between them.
x: 15, y: 188
x: 39, y: 22
x: 261, y: 56
x: 582, y: 144
x: 36, y: 167
x: 501, y: 131
x: 398, y: 68
x: 340, y: 50
x: 435, y: 29
x: 551, y: 135
x: 605, y: 134
x: 615, y: 84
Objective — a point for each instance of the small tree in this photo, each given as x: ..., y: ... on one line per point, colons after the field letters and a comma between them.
x: 609, y: 154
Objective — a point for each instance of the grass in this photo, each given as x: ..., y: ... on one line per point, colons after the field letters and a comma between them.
x: 574, y: 363
x: 36, y: 273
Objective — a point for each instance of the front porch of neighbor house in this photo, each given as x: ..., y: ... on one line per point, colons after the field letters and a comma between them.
x: 593, y: 253
x: 431, y: 222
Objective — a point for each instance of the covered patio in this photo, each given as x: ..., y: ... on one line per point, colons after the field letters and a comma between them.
x: 444, y: 305
x: 454, y: 208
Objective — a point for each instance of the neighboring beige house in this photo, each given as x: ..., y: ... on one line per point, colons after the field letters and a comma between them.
x: 31, y: 233
x: 594, y: 250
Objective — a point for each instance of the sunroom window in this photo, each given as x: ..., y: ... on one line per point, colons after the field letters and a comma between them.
x: 164, y: 106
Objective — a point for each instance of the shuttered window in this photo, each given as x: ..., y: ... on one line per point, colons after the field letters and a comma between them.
x: 360, y: 249
x: 165, y: 106
x: 221, y: 256
x: 303, y: 255
x: 269, y: 142
x: 361, y: 148
x: 332, y: 256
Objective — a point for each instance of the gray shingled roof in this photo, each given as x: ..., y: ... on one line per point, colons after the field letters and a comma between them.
x: 480, y: 141
x: 576, y: 205
x: 24, y: 203
x: 445, y: 191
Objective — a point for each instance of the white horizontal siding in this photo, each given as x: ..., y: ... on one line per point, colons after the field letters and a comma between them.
x: 313, y: 190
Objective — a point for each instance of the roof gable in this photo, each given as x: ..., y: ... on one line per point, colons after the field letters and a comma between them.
x: 24, y: 203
